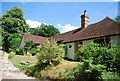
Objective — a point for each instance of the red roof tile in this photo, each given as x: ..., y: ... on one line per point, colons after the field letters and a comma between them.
x: 106, y: 27
x: 34, y: 38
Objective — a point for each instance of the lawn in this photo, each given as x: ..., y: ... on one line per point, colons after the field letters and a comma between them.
x: 51, y: 72
x: 17, y: 59
x: 54, y: 71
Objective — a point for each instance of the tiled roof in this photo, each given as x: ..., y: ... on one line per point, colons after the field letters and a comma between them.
x: 106, y: 27
x: 34, y: 38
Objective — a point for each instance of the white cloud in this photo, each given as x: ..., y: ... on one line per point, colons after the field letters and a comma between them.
x: 66, y: 28
x: 34, y: 24
x: 116, y: 0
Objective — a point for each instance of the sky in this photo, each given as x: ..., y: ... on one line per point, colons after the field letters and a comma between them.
x: 63, y: 15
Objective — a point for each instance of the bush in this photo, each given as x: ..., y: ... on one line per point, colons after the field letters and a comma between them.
x: 115, y: 49
x: 88, y: 72
x: 29, y: 46
x: 85, y: 72
x: 110, y: 57
x: 113, y: 76
x: 14, y: 41
x: 19, y: 51
x: 11, y: 55
x: 49, y: 53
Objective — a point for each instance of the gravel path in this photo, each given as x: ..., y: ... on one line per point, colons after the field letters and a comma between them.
x: 8, y: 71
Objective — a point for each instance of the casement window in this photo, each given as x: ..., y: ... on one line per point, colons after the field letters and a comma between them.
x: 103, y: 41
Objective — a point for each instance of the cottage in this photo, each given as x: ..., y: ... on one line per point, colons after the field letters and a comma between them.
x: 106, y: 31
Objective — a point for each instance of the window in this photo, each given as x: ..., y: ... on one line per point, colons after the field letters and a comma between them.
x: 70, y: 46
x: 102, y: 41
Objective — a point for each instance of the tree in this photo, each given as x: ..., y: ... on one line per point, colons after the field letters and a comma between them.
x: 13, y: 22
x: 117, y: 19
x: 45, y: 30
x: 14, y: 41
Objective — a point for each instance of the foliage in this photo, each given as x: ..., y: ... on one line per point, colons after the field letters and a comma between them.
x: 89, y: 51
x: 29, y: 46
x: 115, y: 50
x: 101, y: 55
x: 14, y: 41
x: 11, y: 55
x: 49, y: 53
x: 85, y: 72
x: 19, y: 51
x: 1, y: 42
x: 117, y: 19
x: 88, y: 72
x: 65, y: 49
x: 110, y: 76
x: 13, y: 22
x: 45, y: 30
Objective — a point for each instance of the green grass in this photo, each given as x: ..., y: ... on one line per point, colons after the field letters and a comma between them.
x: 50, y: 72
x: 17, y: 59
x: 54, y: 71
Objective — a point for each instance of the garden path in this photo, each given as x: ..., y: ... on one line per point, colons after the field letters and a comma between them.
x: 8, y: 71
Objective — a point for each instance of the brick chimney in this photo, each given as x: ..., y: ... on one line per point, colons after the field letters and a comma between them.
x: 84, y: 20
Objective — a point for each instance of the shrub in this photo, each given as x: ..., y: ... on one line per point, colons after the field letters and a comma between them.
x: 11, y: 55
x: 19, y: 51
x: 28, y: 46
x: 101, y: 55
x: 85, y: 72
x: 115, y: 49
x: 88, y: 72
x: 14, y: 41
x: 49, y: 53
x: 113, y: 76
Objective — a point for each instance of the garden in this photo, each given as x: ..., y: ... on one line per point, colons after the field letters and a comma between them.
x: 95, y: 62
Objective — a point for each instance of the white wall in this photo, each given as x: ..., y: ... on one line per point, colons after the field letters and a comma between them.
x: 115, y: 40
x: 70, y: 51
x: 86, y: 42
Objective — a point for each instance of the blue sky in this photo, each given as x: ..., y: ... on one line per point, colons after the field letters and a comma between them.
x: 63, y: 15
